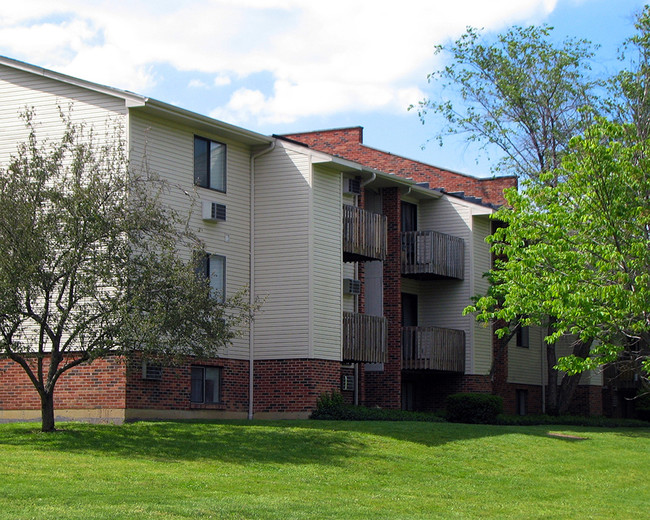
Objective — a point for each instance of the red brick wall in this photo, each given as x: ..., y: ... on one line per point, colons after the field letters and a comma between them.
x: 383, y: 389
x: 101, y: 384
x: 348, y: 143
x: 509, y: 394
x: 293, y: 385
x: 588, y: 400
x: 172, y: 392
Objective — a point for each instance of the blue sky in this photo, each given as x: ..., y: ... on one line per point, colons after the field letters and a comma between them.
x: 280, y: 66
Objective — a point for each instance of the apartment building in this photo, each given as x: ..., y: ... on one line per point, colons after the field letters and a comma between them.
x: 364, y: 270
x: 518, y: 373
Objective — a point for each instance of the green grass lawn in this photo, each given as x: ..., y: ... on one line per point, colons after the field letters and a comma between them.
x: 322, y: 469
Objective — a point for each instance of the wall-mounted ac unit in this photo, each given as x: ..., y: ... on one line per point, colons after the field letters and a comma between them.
x: 214, y: 211
x: 151, y: 371
x: 352, y: 186
x: 351, y: 286
x: 347, y: 383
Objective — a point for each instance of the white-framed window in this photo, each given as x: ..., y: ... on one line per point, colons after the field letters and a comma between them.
x: 209, y: 164
x: 214, y: 268
x: 206, y: 385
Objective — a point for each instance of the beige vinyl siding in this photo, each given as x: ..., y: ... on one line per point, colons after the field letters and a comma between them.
x: 442, y: 301
x: 528, y: 365
x: 327, y: 265
x: 20, y: 89
x: 168, y: 150
x: 282, y: 254
x: 481, y: 260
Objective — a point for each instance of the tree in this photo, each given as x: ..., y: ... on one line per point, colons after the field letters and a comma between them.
x: 91, y: 264
x: 521, y: 93
x: 526, y: 96
x: 579, y: 252
x: 630, y: 88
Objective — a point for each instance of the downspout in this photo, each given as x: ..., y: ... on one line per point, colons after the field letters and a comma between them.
x: 371, y: 179
x: 251, y: 279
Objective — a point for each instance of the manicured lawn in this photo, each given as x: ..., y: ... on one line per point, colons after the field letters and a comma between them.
x: 320, y: 469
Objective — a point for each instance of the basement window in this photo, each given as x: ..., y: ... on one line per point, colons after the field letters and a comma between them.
x: 206, y: 385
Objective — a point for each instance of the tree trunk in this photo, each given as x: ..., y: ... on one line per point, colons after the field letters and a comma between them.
x: 47, y: 411
x: 570, y: 383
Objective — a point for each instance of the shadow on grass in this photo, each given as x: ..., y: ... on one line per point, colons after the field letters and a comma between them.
x: 285, y: 442
x: 182, y: 441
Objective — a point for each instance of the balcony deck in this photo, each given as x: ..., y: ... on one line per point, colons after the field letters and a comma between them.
x: 364, y: 338
x: 429, y: 255
x: 433, y: 348
x: 364, y: 235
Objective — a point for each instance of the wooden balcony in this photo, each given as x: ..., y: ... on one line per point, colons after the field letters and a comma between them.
x: 428, y: 255
x: 433, y: 348
x: 364, y: 338
x: 623, y: 374
x: 364, y: 235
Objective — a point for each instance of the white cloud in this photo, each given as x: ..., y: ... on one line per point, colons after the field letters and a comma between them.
x: 322, y: 57
x: 197, y: 83
x: 222, y: 80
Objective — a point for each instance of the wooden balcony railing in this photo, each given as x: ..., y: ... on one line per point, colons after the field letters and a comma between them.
x: 429, y: 254
x: 433, y: 348
x: 623, y: 374
x: 364, y: 338
x: 364, y: 235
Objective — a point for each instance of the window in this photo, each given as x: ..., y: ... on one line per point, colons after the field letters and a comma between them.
x: 523, y: 337
x: 206, y: 385
x: 214, y: 268
x: 209, y: 164
x: 522, y: 402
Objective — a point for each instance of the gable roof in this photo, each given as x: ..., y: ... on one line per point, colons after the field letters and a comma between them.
x: 135, y: 101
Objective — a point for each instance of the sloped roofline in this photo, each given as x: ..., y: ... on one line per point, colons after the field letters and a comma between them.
x: 359, y: 127
x: 139, y: 102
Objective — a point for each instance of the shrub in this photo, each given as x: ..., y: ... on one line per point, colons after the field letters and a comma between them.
x: 330, y: 406
x: 569, y: 420
x: 474, y: 408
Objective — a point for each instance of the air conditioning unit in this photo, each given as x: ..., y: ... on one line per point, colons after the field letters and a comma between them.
x: 214, y: 211
x: 352, y: 186
x: 351, y: 286
x: 151, y: 371
x: 347, y: 383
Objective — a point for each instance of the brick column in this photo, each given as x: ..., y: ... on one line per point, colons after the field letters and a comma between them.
x: 384, y: 389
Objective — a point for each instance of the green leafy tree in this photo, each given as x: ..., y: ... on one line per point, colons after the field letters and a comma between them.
x: 630, y: 88
x: 579, y: 252
x: 522, y: 93
x: 91, y: 264
x: 525, y: 96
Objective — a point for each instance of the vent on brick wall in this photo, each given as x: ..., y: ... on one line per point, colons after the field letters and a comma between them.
x: 214, y: 211
x: 347, y: 383
x: 151, y: 371
x: 351, y: 286
x: 352, y: 186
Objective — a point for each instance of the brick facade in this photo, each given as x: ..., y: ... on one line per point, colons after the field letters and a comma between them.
x: 348, y: 143
x: 99, y: 385
x: 588, y: 400
x: 383, y: 388
x: 292, y: 386
x: 281, y: 387
x: 172, y: 392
